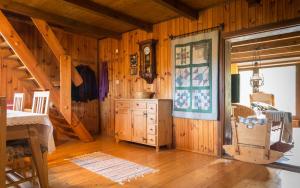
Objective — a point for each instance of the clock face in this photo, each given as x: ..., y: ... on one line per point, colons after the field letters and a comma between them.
x: 146, y: 50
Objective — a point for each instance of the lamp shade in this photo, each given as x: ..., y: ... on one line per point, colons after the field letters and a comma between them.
x: 235, y: 88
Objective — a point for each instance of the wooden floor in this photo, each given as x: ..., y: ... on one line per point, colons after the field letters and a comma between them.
x: 293, y: 157
x: 177, y: 168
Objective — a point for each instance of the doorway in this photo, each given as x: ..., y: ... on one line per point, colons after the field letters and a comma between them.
x: 267, y: 60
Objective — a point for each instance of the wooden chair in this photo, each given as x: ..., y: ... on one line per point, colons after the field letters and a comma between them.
x: 2, y: 140
x: 40, y: 103
x: 262, y: 97
x: 241, y: 110
x: 18, y: 104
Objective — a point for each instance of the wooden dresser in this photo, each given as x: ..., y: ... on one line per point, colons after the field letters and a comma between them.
x: 144, y: 121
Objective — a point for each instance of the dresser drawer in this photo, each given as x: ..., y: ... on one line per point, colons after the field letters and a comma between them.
x: 151, y: 119
x: 139, y: 104
x: 151, y: 139
x: 152, y: 108
x: 122, y: 104
x: 151, y: 129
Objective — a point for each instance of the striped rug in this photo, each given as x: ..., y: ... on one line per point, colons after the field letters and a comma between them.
x: 113, y: 168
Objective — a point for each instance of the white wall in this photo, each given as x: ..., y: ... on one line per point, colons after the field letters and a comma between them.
x: 280, y: 81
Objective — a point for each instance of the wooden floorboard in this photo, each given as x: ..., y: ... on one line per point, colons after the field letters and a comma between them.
x: 176, y: 168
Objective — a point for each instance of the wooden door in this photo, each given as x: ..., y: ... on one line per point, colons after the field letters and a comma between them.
x: 139, y: 123
x: 123, y: 124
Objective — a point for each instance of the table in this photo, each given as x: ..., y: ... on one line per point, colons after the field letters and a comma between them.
x: 17, y: 120
x: 38, y: 129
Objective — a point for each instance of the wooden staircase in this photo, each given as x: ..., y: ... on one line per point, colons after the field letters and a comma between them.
x: 34, y: 74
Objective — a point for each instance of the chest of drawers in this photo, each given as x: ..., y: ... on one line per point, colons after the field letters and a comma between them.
x: 144, y: 121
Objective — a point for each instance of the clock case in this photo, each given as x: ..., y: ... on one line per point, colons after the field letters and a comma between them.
x: 148, y: 61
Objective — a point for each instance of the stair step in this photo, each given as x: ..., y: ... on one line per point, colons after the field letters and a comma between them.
x: 67, y: 133
x: 4, y: 45
x: 12, y: 57
x: 28, y: 79
x: 21, y: 68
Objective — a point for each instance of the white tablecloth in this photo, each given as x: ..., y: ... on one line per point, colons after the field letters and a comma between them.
x: 41, y: 121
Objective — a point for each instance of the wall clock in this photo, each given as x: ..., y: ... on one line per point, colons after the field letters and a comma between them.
x: 148, y: 60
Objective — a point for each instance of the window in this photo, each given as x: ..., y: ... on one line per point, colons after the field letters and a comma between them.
x: 280, y: 81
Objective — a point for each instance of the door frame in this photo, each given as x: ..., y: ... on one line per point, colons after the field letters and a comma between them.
x: 284, y: 27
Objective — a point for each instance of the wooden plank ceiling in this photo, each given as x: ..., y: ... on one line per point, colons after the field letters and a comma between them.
x: 272, y: 51
x: 106, y: 18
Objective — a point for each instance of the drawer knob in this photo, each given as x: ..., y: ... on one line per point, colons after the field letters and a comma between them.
x: 151, y: 129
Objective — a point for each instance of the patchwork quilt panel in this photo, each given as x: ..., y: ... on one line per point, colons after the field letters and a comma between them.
x: 195, y: 65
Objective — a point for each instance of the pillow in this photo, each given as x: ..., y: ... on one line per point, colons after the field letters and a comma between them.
x: 251, y: 121
x: 260, y: 106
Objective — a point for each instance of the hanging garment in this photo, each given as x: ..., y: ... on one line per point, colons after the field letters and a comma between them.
x: 103, y: 82
x: 88, y: 89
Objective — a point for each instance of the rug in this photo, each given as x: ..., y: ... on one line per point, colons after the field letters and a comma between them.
x: 195, y: 80
x: 113, y: 168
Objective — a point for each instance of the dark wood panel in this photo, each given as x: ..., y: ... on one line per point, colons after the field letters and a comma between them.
x: 77, y: 26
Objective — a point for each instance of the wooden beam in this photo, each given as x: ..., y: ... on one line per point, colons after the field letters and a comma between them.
x: 76, y: 26
x: 268, y: 57
x: 269, y: 65
x: 55, y: 46
x: 274, y: 38
x: 267, y: 45
x: 65, y: 87
x: 267, y: 52
x: 28, y: 60
x: 180, y: 8
x: 3, y: 154
x: 106, y: 11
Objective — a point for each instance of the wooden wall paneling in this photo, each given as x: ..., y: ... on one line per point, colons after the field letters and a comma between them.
x: 245, y: 15
x: 193, y: 135
x: 55, y: 46
x: 83, y: 51
x: 258, y: 14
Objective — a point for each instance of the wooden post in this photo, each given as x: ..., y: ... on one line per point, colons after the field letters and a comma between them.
x: 27, y: 58
x: 55, y: 46
x: 2, y: 140
x: 65, y: 87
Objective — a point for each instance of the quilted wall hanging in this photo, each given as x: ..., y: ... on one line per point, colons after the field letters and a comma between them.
x: 195, y: 80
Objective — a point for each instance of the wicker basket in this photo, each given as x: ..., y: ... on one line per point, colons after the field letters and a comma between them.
x: 143, y: 95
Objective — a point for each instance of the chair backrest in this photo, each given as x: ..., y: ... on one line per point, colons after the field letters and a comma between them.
x: 2, y: 140
x: 242, y: 111
x: 18, y: 104
x: 262, y: 97
x: 40, y: 103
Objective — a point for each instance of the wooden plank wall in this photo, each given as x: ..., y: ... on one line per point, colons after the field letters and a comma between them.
x: 192, y: 135
x: 83, y: 50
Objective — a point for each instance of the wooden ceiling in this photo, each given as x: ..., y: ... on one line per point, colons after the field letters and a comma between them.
x: 107, y: 18
x: 272, y: 51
